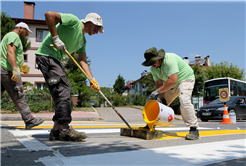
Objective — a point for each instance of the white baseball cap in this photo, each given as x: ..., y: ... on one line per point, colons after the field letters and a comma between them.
x: 24, y: 25
x: 95, y: 19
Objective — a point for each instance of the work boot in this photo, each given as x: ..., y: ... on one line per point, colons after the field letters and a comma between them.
x: 71, y: 135
x: 193, y: 135
x: 35, y: 123
x: 54, y: 135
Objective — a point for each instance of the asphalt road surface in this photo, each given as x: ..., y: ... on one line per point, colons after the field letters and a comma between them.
x: 220, y: 144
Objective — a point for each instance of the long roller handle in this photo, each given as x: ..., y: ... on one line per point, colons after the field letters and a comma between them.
x: 65, y: 51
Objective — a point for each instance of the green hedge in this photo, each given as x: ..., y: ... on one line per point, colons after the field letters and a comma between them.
x: 37, y: 100
x: 6, y: 103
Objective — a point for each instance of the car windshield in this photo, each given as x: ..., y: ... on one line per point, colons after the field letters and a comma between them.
x: 91, y: 101
x: 217, y: 101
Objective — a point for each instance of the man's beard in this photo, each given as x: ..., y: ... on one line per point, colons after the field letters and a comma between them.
x: 22, y: 35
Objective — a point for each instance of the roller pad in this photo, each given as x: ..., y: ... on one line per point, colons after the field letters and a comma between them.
x: 141, y: 133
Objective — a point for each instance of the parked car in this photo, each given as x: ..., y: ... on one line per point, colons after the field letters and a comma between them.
x: 92, y: 102
x: 214, y: 110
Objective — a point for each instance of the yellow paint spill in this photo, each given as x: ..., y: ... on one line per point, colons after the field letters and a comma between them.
x: 151, y: 126
x: 202, y: 133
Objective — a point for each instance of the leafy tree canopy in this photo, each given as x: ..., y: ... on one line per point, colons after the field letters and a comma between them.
x: 148, y: 82
x: 199, y: 80
x: 119, y: 85
x: 8, y: 25
x: 223, y: 69
x: 77, y: 80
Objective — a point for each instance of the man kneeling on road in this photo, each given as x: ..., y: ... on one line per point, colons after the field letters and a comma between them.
x: 68, y: 35
x: 173, y: 77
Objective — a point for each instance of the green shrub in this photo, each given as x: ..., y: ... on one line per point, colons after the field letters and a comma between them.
x: 86, y: 104
x: 119, y: 100
x: 37, y: 100
x: 6, y: 103
x: 139, y: 100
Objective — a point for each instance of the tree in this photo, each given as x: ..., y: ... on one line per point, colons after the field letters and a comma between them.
x: 223, y: 69
x: 77, y: 80
x: 119, y: 85
x: 26, y: 44
x: 8, y: 25
x: 199, y: 80
x: 119, y: 100
x: 148, y: 82
x: 139, y: 99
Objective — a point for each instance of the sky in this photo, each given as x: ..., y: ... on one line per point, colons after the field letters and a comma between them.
x: 186, y: 28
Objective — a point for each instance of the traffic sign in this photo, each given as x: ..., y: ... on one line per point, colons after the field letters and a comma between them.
x: 224, y: 95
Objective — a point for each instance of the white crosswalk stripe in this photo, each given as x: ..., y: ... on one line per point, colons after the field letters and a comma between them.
x: 201, y: 154
x: 173, y: 155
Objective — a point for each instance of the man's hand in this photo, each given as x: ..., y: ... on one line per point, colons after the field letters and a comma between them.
x: 25, y: 69
x: 58, y: 43
x: 95, y: 85
x: 154, y: 94
x: 16, y: 74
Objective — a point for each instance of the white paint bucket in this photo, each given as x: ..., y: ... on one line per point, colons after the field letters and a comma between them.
x: 233, y: 118
x: 156, y: 113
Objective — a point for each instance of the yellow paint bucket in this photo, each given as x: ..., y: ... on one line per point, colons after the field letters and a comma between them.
x: 155, y: 113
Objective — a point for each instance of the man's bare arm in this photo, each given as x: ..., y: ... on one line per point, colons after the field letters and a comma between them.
x: 11, y: 55
x: 51, y: 19
x: 84, y: 65
x: 169, y: 84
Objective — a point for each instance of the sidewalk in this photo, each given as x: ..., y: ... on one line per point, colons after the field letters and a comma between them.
x: 76, y: 115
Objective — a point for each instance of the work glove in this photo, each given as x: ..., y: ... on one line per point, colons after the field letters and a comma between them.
x: 25, y: 69
x: 16, y: 74
x: 58, y: 43
x: 95, y: 85
x: 154, y: 94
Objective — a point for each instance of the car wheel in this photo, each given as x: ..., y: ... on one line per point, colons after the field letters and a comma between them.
x: 204, y: 120
x: 233, y: 111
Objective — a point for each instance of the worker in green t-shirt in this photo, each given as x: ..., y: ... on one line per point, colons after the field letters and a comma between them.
x: 173, y: 77
x: 67, y: 34
x: 11, y: 67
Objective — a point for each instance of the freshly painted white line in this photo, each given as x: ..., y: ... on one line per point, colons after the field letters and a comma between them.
x: 205, y: 153
x: 52, y: 161
x: 33, y: 144
x: 18, y: 132
x: 196, y: 154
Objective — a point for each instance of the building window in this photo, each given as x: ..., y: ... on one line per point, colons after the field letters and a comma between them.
x: 25, y: 57
x: 41, y: 34
x: 41, y: 85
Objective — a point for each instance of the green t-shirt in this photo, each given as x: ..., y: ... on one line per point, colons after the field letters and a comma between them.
x: 70, y: 33
x: 172, y: 64
x: 13, y: 38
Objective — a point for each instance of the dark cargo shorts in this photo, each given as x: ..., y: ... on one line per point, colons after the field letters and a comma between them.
x: 55, y: 76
